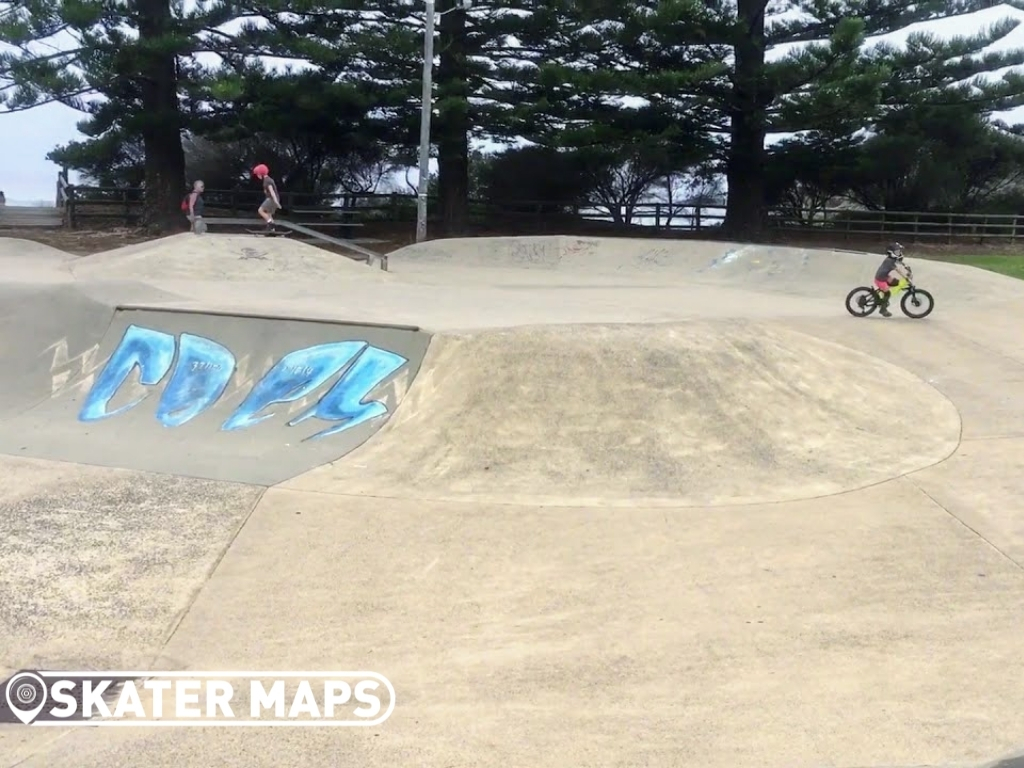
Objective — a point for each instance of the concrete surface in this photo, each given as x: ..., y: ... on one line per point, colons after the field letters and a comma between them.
x: 224, y: 258
x: 691, y: 414
x: 267, y: 448
x: 644, y: 504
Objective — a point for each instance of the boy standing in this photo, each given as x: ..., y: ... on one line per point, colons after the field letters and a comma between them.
x: 272, y: 201
x: 196, y: 207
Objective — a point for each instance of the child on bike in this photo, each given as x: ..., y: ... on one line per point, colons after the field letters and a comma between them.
x: 893, y: 262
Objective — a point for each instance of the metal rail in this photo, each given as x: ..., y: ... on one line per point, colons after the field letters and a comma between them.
x: 368, y: 256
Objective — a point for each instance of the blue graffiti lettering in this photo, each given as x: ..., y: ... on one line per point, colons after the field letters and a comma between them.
x: 295, y: 376
x: 200, y: 377
x: 151, y: 351
x: 344, y: 402
x: 204, y: 369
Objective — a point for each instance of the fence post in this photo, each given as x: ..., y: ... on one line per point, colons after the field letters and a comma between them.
x: 657, y: 216
x: 949, y: 227
x: 127, y: 211
x: 70, y: 192
x: 696, y: 218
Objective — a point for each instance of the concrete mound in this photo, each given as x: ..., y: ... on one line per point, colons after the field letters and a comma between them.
x: 230, y: 258
x: 17, y: 247
x: 703, y: 413
x: 560, y: 261
x: 221, y: 397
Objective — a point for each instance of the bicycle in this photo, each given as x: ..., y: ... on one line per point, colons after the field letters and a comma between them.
x: 864, y: 300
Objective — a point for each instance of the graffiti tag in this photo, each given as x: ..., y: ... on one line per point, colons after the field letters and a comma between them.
x: 202, y: 370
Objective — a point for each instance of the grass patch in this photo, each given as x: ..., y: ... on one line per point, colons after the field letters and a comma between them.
x: 1012, y: 266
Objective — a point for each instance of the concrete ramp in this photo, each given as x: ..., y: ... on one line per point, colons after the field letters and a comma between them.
x: 562, y: 261
x: 20, y: 249
x: 224, y: 397
x: 222, y: 258
x: 51, y: 335
x: 702, y: 413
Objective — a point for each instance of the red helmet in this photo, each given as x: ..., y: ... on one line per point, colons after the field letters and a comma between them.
x: 260, y: 171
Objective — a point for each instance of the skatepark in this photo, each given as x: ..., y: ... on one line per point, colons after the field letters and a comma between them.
x: 583, y: 501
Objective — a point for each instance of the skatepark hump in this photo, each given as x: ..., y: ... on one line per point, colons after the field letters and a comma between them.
x: 691, y: 414
x: 222, y: 258
x: 611, y: 500
x: 561, y: 262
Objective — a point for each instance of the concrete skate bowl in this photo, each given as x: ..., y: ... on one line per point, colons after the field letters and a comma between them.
x: 558, y: 261
x: 691, y: 414
x: 222, y: 397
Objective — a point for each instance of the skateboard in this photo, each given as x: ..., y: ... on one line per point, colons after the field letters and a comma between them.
x: 275, y: 233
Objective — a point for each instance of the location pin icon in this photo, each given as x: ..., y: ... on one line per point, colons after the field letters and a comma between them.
x: 26, y: 696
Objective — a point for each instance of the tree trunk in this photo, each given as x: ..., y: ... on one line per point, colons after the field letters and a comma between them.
x: 745, y: 165
x: 453, y: 122
x: 161, y: 119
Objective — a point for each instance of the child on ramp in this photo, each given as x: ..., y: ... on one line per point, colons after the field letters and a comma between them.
x: 272, y: 201
x: 893, y: 262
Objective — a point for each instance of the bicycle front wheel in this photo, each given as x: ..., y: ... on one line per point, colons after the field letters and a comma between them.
x: 917, y: 303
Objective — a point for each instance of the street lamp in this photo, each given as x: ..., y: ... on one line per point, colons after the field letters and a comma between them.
x: 426, y: 109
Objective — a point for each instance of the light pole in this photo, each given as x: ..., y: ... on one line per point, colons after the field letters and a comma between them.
x: 426, y: 108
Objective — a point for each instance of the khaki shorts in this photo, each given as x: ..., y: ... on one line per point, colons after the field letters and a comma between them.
x: 269, y: 206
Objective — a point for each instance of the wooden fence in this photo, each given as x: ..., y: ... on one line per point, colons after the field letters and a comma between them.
x: 80, y: 204
x: 850, y: 223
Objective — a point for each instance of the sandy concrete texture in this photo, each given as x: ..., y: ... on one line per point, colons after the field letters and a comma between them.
x: 99, y: 563
x: 702, y: 413
x: 844, y: 631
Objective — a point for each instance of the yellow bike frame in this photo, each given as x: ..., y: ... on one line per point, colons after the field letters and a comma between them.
x: 900, y: 287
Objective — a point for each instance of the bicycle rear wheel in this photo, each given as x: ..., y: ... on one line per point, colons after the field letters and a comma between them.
x: 861, y: 302
x: 917, y: 303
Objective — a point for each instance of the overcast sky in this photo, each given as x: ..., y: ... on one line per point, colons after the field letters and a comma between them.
x: 27, y: 137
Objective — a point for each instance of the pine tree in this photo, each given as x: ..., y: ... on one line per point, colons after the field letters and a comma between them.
x: 845, y: 84
x: 381, y: 42
x: 117, y: 63
x: 704, y: 64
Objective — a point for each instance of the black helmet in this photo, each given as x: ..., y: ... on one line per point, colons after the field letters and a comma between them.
x: 895, y: 250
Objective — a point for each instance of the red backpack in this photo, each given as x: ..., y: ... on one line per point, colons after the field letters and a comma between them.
x: 184, y: 203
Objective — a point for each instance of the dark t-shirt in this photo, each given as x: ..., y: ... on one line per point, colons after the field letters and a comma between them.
x: 887, y: 266
x: 197, y: 205
x: 268, y: 184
